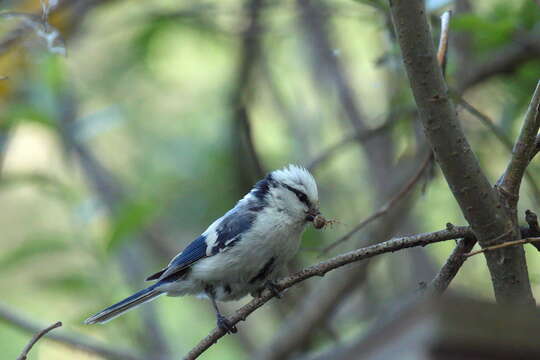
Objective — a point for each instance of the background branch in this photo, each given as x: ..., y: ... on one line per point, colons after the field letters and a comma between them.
x: 505, y: 60
x: 360, y: 136
x: 501, y: 135
x: 523, y: 150
x: 407, y: 187
x: 74, y: 341
x: 36, y: 338
x: 500, y: 246
x: 448, y: 272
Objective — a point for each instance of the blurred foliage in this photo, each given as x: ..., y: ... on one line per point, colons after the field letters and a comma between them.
x: 149, y: 87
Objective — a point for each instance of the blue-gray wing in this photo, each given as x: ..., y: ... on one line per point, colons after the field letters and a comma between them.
x: 196, y: 250
x: 223, y: 234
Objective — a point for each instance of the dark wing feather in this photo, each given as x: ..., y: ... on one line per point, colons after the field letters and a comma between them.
x: 231, y: 228
x: 157, y: 275
x: 195, y: 251
x: 229, y: 231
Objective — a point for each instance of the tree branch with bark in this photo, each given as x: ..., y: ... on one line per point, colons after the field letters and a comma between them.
x: 478, y: 201
x: 326, y: 266
x: 35, y: 339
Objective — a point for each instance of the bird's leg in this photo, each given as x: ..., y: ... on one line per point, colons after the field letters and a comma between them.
x: 222, y: 322
x: 271, y: 285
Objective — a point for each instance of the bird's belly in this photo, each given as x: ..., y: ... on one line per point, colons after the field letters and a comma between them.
x: 244, y: 268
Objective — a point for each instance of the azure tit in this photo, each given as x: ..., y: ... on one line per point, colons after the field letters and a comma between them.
x: 241, y: 253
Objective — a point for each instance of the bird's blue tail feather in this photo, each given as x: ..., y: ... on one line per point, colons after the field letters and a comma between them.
x: 127, y: 304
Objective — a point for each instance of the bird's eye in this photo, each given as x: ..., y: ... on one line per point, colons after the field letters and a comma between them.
x: 301, y: 196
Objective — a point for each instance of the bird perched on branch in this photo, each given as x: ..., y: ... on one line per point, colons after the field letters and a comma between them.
x: 241, y: 253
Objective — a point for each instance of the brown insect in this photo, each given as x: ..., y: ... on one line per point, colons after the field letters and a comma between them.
x: 320, y: 222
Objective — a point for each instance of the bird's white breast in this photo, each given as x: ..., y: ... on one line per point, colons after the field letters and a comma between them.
x: 272, y: 235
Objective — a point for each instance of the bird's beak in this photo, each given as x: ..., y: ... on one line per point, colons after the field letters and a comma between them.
x: 311, y: 214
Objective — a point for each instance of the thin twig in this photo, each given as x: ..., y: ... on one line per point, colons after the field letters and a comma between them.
x: 523, y: 149
x: 503, y: 138
x: 74, y: 341
x: 448, y: 272
x: 359, y: 136
x: 324, y: 267
x: 441, y: 55
x: 408, y: 187
x: 36, y: 338
x: 442, y: 52
x: 506, y: 244
x: 505, y: 60
x: 484, y: 119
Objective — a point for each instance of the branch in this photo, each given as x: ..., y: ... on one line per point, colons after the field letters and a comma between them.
x: 463, y: 249
x: 478, y: 201
x: 245, y: 156
x: 319, y: 306
x: 536, y: 148
x: 36, y: 338
x: 109, y: 191
x: 484, y: 119
x: 523, y: 151
x: 315, y: 309
x: 407, y: 188
x: 78, y: 341
x: 500, y: 246
x: 534, y: 229
x: 326, y: 266
x: 501, y: 135
x: 448, y: 272
x: 359, y: 136
x: 442, y: 52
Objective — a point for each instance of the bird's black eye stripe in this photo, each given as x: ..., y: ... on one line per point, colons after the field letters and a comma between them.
x: 299, y: 194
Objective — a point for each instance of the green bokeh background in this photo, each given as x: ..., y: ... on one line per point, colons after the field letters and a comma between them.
x: 153, y: 103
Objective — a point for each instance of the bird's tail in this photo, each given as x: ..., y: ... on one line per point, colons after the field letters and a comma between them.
x: 127, y: 304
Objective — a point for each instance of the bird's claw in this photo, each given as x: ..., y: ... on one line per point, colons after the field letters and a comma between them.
x: 224, y: 324
x: 270, y: 285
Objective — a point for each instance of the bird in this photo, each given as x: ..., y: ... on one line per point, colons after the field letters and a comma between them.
x: 243, y: 252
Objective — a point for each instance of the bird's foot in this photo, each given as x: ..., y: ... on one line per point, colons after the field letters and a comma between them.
x: 224, y: 324
x: 270, y: 285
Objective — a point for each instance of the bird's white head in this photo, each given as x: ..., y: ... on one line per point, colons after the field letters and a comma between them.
x: 291, y: 190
